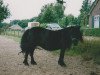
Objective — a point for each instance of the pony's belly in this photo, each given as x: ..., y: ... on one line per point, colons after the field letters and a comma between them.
x: 50, y: 47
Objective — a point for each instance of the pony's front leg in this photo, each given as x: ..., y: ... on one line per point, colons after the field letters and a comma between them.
x: 25, y: 60
x: 61, y: 58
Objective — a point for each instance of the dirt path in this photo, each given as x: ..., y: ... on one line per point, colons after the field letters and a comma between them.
x: 11, y: 62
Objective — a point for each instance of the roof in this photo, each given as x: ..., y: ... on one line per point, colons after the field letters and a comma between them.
x: 53, y: 26
x: 93, y: 6
x: 27, y: 28
x: 16, y: 27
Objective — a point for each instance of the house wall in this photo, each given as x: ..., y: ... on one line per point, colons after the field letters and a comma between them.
x: 33, y: 24
x: 95, y: 11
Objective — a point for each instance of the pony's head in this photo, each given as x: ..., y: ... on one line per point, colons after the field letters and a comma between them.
x: 76, y: 34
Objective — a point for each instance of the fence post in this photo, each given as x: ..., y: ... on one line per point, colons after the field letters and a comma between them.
x: 0, y: 31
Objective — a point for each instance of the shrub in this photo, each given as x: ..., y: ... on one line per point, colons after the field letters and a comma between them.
x: 90, y: 49
x: 92, y: 32
x: 44, y: 25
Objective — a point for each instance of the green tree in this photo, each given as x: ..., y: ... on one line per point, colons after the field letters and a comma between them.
x: 4, y: 12
x: 32, y: 19
x: 64, y: 22
x: 14, y: 22
x: 59, y: 11
x: 60, y: 1
x: 72, y: 20
x: 84, y: 13
x: 22, y: 23
x: 5, y: 25
x: 51, y: 13
x: 68, y: 20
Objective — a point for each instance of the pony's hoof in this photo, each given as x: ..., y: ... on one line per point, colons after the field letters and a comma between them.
x: 33, y: 63
x: 62, y: 64
x: 26, y: 63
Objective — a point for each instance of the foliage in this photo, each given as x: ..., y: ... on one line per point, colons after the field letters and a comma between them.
x: 84, y: 13
x: 92, y: 32
x: 13, y: 22
x: 44, y: 25
x: 72, y: 20
x: 64, y: 22
x: 4, y: 12
x: 4, y: 25
x: 60, y: 1
x: 51, y: 13
x: 22, y: 23
x: 90, y: 49
x: 32, y: 19
x: 68, y: 20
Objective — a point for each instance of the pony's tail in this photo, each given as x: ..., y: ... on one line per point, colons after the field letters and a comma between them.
x: 24, y: 41
x: 20, y: 52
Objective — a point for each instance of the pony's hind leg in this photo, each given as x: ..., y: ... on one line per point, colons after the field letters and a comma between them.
x: 25, y: 60
x: 32, y: 58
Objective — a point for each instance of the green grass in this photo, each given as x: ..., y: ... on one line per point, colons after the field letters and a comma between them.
x: 89, y: 50
x: 17, y: 39
x: 15, y: 33
x: 92, y: 50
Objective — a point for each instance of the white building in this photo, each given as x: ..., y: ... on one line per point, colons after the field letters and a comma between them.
x: 33, y: 24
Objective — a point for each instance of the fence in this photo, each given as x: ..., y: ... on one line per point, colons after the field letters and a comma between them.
x: 9, y: 32
x: 19, y: 33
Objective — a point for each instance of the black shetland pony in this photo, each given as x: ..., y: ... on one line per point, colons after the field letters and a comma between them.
x: 49, y: 40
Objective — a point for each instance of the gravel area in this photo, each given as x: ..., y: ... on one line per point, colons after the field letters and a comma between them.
x: 11, y: 62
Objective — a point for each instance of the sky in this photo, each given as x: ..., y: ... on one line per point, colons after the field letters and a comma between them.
x: 26, y: 9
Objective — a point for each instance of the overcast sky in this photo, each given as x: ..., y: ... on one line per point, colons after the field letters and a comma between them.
x: 26, y: 9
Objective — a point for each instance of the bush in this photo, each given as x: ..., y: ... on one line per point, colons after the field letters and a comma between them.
x: 44, y: 25
x: 90, y: 49
x: 92, y: 32
x: 1, y: 31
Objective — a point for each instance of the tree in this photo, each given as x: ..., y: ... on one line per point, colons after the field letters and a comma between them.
x: 5, y: 25
x: 32, y: 19
x: 60, y: 1
x: 22, y: 23
x: 84, y: 13
x: 4, y: 12
x: 64, y: 22
x: 51, y: 13
x: 14, y: 22
x: 68, y: 20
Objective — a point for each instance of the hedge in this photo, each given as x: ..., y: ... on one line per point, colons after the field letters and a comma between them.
x: 92, y: 32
